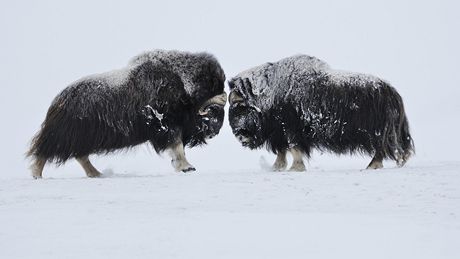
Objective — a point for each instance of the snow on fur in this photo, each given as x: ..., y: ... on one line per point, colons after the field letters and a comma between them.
x: 300, y: 101
x: 155, y: 98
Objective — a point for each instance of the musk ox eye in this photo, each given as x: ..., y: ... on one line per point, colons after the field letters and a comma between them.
x: 238, y: 104
x: 235, y: 98
x: 210, y: 110
x: 217, y: 101
x: 207, y: 109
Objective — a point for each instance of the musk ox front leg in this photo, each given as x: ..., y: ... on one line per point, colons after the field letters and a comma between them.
x: 178, y: 159
x: 297, y: 163
x: 376, y: 162
x: 280, y: 162
x: 37, y: 167
x: 90, y: 170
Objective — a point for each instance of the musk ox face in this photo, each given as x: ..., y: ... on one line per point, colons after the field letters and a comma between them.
x: 245, y: 121
x: 211, y: 115
x: 212, y: 122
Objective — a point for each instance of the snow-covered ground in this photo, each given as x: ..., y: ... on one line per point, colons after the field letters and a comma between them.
x: 413, y: 212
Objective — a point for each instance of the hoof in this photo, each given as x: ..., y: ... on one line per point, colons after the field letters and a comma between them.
x: 375, y: 166
x: 279, y: 167
x: 190, y: 169
x: 182, y: 166
x: 296, y: 169
x: 36, y: 177
x: 400, y: 162
x: 297, y: 166
x: 94, y: 175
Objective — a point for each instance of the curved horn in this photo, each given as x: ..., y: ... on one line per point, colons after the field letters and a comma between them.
x: 220, y: 99
x: 235, y: 97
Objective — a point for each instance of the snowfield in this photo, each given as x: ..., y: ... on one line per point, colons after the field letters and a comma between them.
x: 326, y: 212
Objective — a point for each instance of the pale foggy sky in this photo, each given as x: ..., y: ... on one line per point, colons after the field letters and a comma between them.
x: 45, y: 45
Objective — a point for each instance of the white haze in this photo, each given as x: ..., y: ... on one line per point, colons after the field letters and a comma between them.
x: 46, y: 45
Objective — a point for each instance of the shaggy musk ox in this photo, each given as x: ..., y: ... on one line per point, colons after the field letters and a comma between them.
x: 300, y: 103
x: 171, y: 99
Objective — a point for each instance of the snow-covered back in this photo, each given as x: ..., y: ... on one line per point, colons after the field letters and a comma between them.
x: 340, y: 77
x: 183, y: 63
x: 113, y: 78
x: 269, y: 81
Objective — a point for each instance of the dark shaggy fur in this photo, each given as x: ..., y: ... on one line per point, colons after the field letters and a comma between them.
x: 301, y: 102
x: 156, y: 98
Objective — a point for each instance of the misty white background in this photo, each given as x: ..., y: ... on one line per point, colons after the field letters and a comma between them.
x: 45, y: 45
x: 230, y: 208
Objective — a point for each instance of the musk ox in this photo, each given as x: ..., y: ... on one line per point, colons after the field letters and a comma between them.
x: 171, y: 99
x: 300, y: 103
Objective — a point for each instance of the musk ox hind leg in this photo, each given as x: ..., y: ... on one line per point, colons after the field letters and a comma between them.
x: 280, y: 162
x: 402, y: 159
x: 297, y: 163
x: 178, y: 160
x: 37, y: 167
x: 90, y: 170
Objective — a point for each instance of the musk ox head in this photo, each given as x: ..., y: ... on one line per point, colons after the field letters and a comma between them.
x: 245, y: 120
x: 210, y: 116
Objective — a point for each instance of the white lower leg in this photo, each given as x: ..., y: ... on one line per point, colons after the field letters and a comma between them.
x: 178, y: 159
x: 90, y: 170
x: 297, y: 163
x: 400, y: 162
x: 280, y: 162
x: 402, y: 159
x: 37, y: 168
x: 376, y: 163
